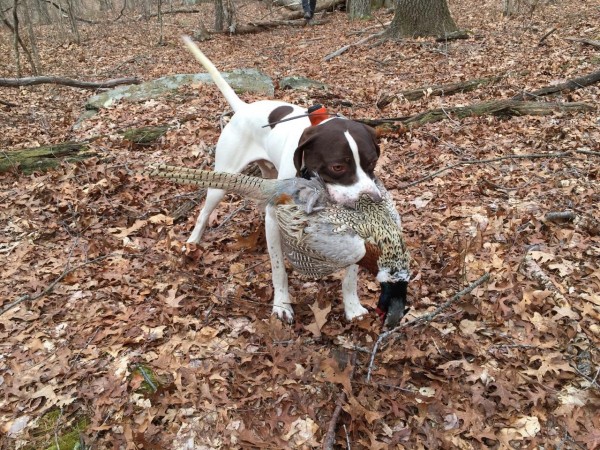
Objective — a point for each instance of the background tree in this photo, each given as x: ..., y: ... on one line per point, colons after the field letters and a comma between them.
x: 414, y: 18
x: 359, y: 9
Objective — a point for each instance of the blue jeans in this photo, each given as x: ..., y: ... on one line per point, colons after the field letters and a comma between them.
x: 309, y: 6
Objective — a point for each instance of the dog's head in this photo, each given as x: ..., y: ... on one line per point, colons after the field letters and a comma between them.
x: 344, y: 154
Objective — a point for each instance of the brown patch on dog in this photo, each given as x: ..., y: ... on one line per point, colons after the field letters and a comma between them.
x: 279, y: 113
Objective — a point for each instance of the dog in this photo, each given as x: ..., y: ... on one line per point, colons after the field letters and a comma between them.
x: 283, y: 141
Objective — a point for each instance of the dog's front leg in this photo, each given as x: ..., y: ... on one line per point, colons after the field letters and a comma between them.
x: 281, y: 297
x: 352, y: 307
x: 213, y: 197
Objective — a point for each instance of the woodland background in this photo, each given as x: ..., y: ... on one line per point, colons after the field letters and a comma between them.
x: 111, y: 338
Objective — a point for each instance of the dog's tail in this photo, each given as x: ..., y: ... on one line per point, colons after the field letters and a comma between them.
x: 232, y: 98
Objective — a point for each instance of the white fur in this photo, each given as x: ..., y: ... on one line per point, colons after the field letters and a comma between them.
x: 245, y: 140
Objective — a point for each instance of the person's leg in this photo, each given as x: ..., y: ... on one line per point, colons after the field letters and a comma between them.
x: 306, y: 4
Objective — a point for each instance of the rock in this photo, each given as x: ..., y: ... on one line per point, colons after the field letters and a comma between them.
x: 298, y: 82
x: 242, y: 80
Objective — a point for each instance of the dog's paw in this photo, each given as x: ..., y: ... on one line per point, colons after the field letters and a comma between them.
x: 355, y: 312
x: 284, y: 312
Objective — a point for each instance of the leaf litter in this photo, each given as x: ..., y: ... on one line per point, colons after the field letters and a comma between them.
x: 512, y: 365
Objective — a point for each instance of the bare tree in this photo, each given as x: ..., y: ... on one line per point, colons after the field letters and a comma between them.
x: 421, y: 18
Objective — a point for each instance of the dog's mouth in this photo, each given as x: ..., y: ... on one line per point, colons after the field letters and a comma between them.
x: 349, y: 195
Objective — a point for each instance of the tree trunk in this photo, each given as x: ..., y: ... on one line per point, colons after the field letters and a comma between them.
x: 16, y: 38
x: 160, y: 21
x: 219, y: 15
x: 415, y: 18
x: 230, y: 16
x: 73, y: 21
x: 359, y: 9
x: 32, y: 40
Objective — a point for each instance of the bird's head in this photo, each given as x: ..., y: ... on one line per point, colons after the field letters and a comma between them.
x: 392, y: 302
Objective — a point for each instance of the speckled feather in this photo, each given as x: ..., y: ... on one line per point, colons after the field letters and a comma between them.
x: 319, y: 237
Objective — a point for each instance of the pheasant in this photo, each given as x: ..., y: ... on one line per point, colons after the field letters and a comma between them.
x: 319, y: 236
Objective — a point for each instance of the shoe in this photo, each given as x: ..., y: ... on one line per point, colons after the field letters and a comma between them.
x: 307, y: 16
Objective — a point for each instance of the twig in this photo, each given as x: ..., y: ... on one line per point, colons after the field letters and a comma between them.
x: 54, y: 283
x: 329, y: 440
x: 543, y: 38
x: 423, y: 319
x: 485, y: 161
x: 9, y: 104
x: 347, y: 437
x: 230, y: 216
x: 346, y: 47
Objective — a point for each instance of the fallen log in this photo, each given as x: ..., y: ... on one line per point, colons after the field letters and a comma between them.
x: 43, y: 158
x: 592, y: 42
x: 31, y: 81
x: 570, y: 85
x: 438, y: 90
x: 257, y: 27
x: 500, y: 108
x: 49, y: 156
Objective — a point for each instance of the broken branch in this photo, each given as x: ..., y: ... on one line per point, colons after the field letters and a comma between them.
x: 49, y: 289
x: 329, y: 440
x: 568, y: 86
x: 439, y: 90
x: 30, y: 81
x: 501, y: 108
x: 423, y: 319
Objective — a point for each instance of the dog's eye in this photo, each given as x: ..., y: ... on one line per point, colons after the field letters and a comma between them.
x: 337, y: 168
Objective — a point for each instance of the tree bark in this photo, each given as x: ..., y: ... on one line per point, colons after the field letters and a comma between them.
x: 219, y: 15
x: 359, y: 9
x: 415, y: 18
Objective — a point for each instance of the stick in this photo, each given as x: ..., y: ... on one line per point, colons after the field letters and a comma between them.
x: 329, y: 440
x: 423, y: 319
x: 346, y: 47
x: 485, y: 161
x: 543, y: 38
x: 49, y: 289
x: 30, y: 81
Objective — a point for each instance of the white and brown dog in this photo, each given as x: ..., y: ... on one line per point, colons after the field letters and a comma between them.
x: 342, y: 152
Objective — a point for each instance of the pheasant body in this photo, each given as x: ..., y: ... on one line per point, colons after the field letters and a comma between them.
x: 319, y: 237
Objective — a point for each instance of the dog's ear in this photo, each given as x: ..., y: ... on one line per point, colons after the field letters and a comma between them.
x: 303, y: 144
x: 373, y: 134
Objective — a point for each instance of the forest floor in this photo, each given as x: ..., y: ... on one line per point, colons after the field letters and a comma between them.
x: 124, y: 342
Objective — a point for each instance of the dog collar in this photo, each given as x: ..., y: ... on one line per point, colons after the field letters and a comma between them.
x: 317, y: 114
